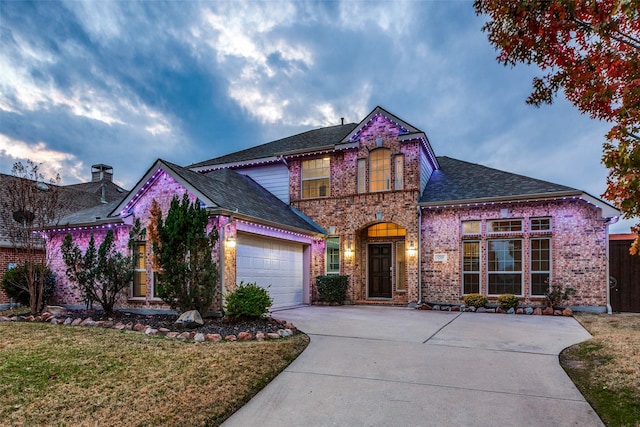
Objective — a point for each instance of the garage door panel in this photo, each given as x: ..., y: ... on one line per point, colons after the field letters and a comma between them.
x: 273, y: 264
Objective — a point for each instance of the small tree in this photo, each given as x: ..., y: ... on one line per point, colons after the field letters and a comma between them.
x: 16, y: 286
x: 29, y: 205
x: 101, y: 275
x: 183, y: 249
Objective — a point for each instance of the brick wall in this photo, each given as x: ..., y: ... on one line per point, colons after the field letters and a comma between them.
x: 8, y: 255
x: 578, y: 249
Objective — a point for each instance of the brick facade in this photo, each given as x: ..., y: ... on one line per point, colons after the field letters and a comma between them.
x: 578, y: 252
x: 8, y: 255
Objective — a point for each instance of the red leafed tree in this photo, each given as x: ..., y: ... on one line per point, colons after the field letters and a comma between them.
x: 590, y: 50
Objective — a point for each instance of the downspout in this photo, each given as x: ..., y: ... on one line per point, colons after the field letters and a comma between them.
x: 419, y: 255
x: 222, y: 240
x: 608, y: 284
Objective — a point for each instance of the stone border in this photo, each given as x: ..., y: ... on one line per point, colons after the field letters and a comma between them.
x: 287, y: 330
x: 538, y: 311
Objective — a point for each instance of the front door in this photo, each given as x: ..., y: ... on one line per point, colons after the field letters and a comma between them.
x: 380, y: 271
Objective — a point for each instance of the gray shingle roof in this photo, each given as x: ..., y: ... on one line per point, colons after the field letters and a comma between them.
x: 92, y: 214
x: 305, y: 141
x: 239, y: 193
x: 458, y: 180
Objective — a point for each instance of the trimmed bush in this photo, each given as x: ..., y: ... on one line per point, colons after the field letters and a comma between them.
x: 507, y: 301
x: 248, y: 301
x: 332, y: 288
x: 14, y: 284
x: 475, y: 300
x: 557, y: 294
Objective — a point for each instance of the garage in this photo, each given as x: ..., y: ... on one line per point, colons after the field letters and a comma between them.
x: 273, y: 264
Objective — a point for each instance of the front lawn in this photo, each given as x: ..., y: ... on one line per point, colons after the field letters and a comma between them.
x: 606, y: 369
x: 77, y: 376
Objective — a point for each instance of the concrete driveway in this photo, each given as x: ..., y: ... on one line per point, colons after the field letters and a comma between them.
x: 381, y: 366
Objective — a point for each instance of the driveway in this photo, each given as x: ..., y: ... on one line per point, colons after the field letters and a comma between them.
x: 382, y: 366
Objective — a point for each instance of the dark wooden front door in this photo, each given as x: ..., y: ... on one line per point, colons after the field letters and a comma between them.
x: 380, y: 271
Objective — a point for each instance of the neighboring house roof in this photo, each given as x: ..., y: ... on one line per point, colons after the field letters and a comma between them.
x: 112, y: 191
x: 72, y: 198
x: 231, y: 192
x: 92, y: 215
x: 311, y: 140
x: 460, y: 182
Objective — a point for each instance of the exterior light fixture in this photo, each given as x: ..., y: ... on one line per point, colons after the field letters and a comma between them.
x: 348, y: 252
x: 231, y: 242
x: 412, y: 249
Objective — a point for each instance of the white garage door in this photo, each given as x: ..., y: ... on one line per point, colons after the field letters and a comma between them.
x: 272, y: 263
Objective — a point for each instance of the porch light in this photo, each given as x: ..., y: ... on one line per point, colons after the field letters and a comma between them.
x: 230, y: 242
x: 412, y: 249
x: 348, y: 252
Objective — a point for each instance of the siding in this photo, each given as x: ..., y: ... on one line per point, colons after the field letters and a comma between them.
x: 275, y: 178
x: 425, y: 170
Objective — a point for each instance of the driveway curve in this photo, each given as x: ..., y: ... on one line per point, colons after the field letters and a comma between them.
x: 383, y: 366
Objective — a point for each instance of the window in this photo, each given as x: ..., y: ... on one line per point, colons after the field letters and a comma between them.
x: 315, y: 178
x: 470, y: 227
x: 401, y: 278
x: 471, y: 267
x: 380, y: 170
x: 540, y: 224
x: 333, y: 255
x: 386, y: 229
x: 504, y: 225
x: 362, y: 176
x: 157, y: 279
x: 540, y: 266
x: 399, y: 170
x: 504, y: 266
x: 140, y: 271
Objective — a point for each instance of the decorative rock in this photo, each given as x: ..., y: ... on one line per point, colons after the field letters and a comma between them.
x: 481, y: 310
x: 184, y: 336
x: 199, y: 337
x: 107, y: 324
x: 44, y: 316
x: 455, y: 308
x: 490, y: 310
x: 285, y: 333
x: 273, y: 336
x: 511, y: 310
x: 172, y: 334
x: 56, y: 310
x: 128, y: 326
x: 120, y: 326
x: 76, y: 322
x: 29, y: 318
x: 471, y: 308
x: 500, y: 310
x: 245, y: 336
x: 260, y: 336
x: 54, y: 321
x: 567, y: 312
x: 213, y: 337
x: 4, y: 319
x: 557, y: 312
x: 230, y: 338
x: 548, y: 311
x: 99, y: 323
x: 139, y: 327
x: 425, y: 307
x: 435, y: 307
x: 164, y: 331
x: 68, y: 321
x: 291, y: 326
x: 528, y: 310
x: 151, y: 331
x: 519, y: 311
x: 190, y: 319
x: 88, y: 322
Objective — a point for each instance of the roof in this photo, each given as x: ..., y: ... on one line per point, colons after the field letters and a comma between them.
x: 227, y: 190
x: 305, y: 141
x: 460, y: 181
x: 113, y: 192
x: 72, y: 200
x: 91, y: 215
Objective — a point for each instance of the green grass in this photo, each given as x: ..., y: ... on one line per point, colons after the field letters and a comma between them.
x: 72, y: 376
x: 606, y: 369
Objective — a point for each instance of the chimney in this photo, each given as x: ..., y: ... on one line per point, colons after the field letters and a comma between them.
x: 342, y: 120
x: 101, y: 172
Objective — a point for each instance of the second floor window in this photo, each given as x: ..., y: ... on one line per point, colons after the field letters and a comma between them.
x: 315, y: 178
x: 380, y: 170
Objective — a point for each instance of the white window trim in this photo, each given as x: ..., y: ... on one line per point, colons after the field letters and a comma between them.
x: 398, y: 164
x: 479, y: 272
x: 532, y: 271
x: 317, y: 178
x: 522, y: 264
x: 493, y: 233
x: 397, y: 271
x: 326, y: 252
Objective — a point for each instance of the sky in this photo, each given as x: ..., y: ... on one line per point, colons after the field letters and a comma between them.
x: 127, y: 82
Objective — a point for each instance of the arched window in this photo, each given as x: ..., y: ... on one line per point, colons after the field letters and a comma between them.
x: 380, y: 170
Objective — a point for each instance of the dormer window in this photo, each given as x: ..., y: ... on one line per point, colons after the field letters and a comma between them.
x: 315, y: 178
x: 380, y: 170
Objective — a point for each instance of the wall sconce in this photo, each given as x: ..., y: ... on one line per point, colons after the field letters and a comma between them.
x: 230, y: 242
x: 379, y: 215
x: 412, y: 249
x: 348, y: 252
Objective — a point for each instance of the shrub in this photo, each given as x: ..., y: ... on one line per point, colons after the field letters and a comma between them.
x: 475, y: 300
x: 248, y: 301
x: 332, y: 288
x: 14, y: 284
x: 507, y: 301
x: 557, y: 293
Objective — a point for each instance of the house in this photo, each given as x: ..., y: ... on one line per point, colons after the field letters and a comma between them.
x: 70, y: 198
x: 372, y: 201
